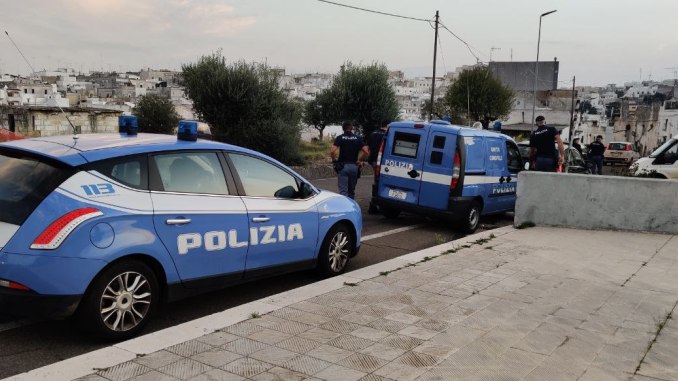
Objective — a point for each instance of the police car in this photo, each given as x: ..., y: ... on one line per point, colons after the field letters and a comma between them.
x: 441, y: 170
x: 108, y: 226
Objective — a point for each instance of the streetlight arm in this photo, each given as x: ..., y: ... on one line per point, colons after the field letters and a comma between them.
x: 548, y: 13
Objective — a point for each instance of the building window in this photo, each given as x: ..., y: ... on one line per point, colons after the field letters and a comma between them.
x: 25, y: 91
x: 32, y: 91
x: 45, y: 92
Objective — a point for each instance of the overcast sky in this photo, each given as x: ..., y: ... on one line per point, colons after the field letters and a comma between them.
x: 599, y: 41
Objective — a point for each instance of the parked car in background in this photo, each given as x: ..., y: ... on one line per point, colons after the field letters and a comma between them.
x: 662, y: 163
x: 620, y: 152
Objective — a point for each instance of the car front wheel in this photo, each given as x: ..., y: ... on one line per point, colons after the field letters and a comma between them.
x: 338, y: 246
x: 120, y: 301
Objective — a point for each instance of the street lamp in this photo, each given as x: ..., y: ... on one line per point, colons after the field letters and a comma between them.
x: 536, y: 67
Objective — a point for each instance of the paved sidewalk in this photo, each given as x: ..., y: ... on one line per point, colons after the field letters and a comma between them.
x: 532, y: 304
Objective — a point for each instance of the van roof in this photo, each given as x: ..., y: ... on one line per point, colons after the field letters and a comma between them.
x: 442, y: 125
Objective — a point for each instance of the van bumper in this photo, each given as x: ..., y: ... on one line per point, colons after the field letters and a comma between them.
x: 456, y: 207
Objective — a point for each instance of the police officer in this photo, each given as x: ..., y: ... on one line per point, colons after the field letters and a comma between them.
x: 542, y: 147
x: 374, y: 143
x: 352, y: 153
x: 596, y: 151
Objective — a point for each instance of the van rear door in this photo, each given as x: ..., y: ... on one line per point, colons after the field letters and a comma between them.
x: 401, y: 167
x: 438, y: 167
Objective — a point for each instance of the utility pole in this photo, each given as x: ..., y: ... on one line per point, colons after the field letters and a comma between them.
x: 569, y: 138
x: 433, y: 80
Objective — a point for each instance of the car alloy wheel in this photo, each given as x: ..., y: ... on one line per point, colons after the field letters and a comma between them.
x: 339, y: 251
x: 126, y: 301
x: 337, y: 248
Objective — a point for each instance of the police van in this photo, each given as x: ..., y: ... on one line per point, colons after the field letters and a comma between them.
x: 441, y: 170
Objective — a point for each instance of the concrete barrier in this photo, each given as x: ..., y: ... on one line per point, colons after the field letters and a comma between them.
x: 597, y: 202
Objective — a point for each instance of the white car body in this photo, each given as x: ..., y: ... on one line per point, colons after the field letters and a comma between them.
x: 620, y: 152
x: 662, y: 163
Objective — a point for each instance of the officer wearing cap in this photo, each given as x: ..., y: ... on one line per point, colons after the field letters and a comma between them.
x: 352, y: 152
x: 542, y: 147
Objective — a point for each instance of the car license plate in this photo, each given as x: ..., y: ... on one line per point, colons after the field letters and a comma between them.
x: 616, y: 153
x: 397, y: 194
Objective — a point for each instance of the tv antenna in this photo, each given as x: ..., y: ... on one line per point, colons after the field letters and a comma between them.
x: 75, y: 131
x: 491, y: 50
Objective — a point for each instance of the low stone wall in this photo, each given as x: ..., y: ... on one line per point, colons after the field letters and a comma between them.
x: 315, y: 172
x: 597, y: 202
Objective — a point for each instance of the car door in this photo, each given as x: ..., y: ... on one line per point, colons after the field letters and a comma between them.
x: 283, y: 222
x: 201, y: 223
x: 506, y: 191
x: 401, y: 166
x: 667, y: 161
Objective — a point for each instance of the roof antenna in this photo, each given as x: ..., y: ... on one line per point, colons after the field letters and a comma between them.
x: 75, y: 131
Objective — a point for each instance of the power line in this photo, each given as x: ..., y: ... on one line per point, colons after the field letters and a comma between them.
x: 373, y: 11
x: 469, y: 47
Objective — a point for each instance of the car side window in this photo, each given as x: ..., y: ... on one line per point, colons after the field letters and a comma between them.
x: 191, y: 172
x: 513, y: 157
x: 130, y: 171
x: 669, y: 156
x: 260, y: 178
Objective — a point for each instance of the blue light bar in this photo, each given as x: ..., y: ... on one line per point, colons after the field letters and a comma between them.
x: 188, y: 130
x: 128, y: 124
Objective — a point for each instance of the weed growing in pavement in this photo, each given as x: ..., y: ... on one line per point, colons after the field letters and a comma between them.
x: 350, y: 284
x: 255, y: 315
x: 659, y: 325
x: 384, y: 273
x: 426, y: 259
x: 525, y: 225
x: 474, y: 292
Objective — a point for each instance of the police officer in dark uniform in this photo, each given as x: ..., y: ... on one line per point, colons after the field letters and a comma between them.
x: 352, y: 153
x: 542, y: 147
x: 596, y: 153
x: 374, y: 143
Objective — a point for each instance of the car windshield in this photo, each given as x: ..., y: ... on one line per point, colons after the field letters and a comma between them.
x: 617, y: 146
x: 24, y: 182
x: 663, y: 147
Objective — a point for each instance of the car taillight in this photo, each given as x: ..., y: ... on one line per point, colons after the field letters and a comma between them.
x: 609, y: 146
x: 13, y: 285
x: 628, y: 147
x: 377, y: 169
x: 52, y: 237
x: 456, y: 170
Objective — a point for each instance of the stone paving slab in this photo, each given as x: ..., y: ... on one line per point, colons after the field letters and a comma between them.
x: 532, y: 304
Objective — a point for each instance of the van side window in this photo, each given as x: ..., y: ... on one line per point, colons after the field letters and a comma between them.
x: 513, y: 157
x: 405, y: 145
x: 439, y: 142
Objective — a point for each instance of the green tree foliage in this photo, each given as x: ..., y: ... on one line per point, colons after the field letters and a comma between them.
x: 364, y: 96
x: 156, y: 114
x: 321, y: 111
x: 440, y: 109
x: 244, y: 105
x: 479, y: 96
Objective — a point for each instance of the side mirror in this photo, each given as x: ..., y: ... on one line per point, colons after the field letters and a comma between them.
x: 286, y: 192
x: 305, y: 190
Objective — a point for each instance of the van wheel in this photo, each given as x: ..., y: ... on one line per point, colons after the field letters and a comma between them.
x: 471, y: 219
x: 120, y: 301
x: 337, y: 248
x: 390, y: 212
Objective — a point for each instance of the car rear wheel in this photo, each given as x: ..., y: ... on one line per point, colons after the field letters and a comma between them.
x: 471, y: 219
x: 120, y: 301
x: 338, y: 246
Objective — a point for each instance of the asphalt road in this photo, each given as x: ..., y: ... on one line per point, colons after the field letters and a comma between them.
x: 26, y: 345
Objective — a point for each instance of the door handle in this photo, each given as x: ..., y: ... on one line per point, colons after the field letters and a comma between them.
x: 413, y: 174
x: 261, y: 219
x: 178, y: 221
x: 501, y: 180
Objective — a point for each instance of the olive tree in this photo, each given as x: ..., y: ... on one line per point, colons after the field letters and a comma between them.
x: 156, y: 114
x: 477, y: 95
x: 244, y: 105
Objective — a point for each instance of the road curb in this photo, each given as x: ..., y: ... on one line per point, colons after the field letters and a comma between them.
x: 91, y: 362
